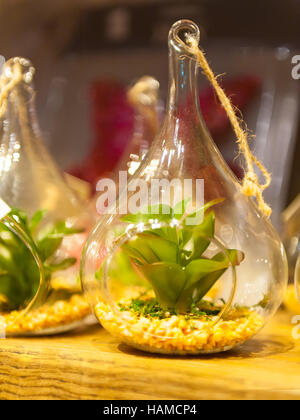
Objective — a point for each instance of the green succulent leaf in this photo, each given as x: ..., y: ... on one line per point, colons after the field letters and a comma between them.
x: 121, y: 263
x: 147, y: 249
x: 61, y: 229
x: 61, y: 265
x: 51, y: 238
x: 180, y: 208
x: 140, y: 257
x: 7, y: 261
x: 202, y: 274
x: 167, y: 281
x: 198, y: 269
x: 233, y: 255
x: 19, y: 274
x: 199, y: 214
x: 20, y: 217
x: 14, y: 284
x: 185, y: 236
x: 48, y: 246
x: 161, y: 212
x: 163, y: 249
x: 202, y: 234
x: 36, y: 220
x: 165, y: 232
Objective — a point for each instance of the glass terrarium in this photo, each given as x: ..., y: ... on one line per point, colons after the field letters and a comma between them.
x: 297, y: 279
x: 183, y: 262
x: 47, y: 210
x: 14, y: 237
x: 143, y: 96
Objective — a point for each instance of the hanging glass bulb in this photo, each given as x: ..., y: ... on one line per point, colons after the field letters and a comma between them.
x: 183, y: 262
x: 13, y: 235
x: 143, y: 96
x: 297, y: 278
x: 46, y: 208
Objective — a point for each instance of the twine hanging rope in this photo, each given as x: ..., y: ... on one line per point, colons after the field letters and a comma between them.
x: 16, y: 76
x: 250, y: 185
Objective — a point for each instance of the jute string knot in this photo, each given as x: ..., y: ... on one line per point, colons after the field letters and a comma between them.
x: 250, y: 185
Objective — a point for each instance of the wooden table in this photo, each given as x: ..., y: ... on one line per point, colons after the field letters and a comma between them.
x: 93, y: 365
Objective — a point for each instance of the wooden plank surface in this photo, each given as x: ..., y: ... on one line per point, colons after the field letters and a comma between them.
x: 91, y: 364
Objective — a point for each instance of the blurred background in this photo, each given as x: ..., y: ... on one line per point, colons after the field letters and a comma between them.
x: 87, y: 53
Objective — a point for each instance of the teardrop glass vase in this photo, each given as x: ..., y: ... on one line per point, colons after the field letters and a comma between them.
x: 143, y: 97
x: 297, y: 278
x: 47, y: 209
x: 12, y: 236
x: 183, y: 262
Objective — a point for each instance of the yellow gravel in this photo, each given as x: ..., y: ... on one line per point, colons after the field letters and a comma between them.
x: 60, y: 313
x: 176, y: 335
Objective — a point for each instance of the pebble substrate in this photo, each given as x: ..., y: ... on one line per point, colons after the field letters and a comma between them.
x: 60, y: 313
x: 177, y: 334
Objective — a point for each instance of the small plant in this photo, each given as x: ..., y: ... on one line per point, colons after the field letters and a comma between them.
x: 171, y: 257
x: 19, y: 274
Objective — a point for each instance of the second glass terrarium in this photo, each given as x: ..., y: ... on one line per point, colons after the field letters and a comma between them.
x: 183, y: 262
x: 47, y: 210
x: 297, y: 281
x: 143, y: 97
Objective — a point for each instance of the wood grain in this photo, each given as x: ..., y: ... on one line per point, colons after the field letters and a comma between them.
x: 93, y: 365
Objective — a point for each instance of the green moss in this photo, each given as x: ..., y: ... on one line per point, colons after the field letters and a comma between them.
x: 151, y: 308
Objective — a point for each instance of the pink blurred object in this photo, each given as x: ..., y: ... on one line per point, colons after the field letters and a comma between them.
x: 112, y: 122
x: 240, y: 90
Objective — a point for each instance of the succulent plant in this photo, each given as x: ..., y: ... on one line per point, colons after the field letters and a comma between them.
x: 171, y: 258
